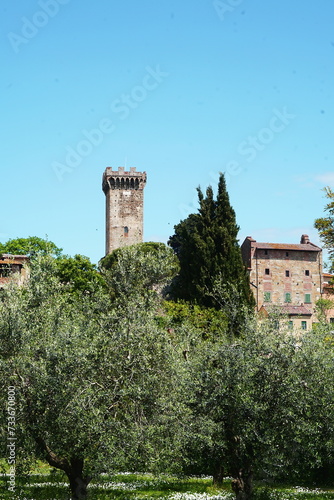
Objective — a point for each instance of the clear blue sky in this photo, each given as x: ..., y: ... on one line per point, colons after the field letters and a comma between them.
x: 182, y: 89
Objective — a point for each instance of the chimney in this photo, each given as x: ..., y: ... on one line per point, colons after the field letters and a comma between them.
x: 304, y: 239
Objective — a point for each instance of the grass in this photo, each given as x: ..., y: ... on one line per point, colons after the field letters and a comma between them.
x: 53, y: 486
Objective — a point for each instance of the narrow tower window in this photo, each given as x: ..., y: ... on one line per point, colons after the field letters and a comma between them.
x: 126, y: 231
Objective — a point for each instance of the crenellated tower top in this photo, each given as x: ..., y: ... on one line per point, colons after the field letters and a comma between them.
x: 123, y: 179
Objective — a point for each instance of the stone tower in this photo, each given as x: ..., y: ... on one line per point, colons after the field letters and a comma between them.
x: 124, y: 192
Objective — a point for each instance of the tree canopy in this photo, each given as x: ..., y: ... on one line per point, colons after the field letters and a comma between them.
x: 145, y: 266
x: 109, y: 375
x: 325, y: 226
x: 33, y: 245
x: 78, y: 273
x: 121, y: 381
x: 94, y: 375
x: 207, y: 247
x: 260, y: 406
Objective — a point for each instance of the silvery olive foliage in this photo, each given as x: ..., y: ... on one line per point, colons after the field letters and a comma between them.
x: 113, y: 380
x: 93, y: 375
x: 262, y: 405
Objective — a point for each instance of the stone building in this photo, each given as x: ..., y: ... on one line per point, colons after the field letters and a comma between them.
x: 12, y: 265
x: 124, y: 192
x: 285, y: 275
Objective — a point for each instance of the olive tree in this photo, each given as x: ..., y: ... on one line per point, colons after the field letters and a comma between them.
x: 261, y: 405
x: 93, y: 377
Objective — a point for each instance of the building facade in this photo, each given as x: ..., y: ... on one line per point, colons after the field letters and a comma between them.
x: 124, y: 192
x: 12, y: 265
x: 285, y: 275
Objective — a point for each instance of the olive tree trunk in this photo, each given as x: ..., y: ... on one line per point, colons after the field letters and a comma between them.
x: 242, y: 485
x: 78, y: 482
x: 73, y: 468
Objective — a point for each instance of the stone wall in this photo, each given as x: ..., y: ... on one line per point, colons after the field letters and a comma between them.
x: 124, y: 192
x: 287, y: 275
x: 281, y: 272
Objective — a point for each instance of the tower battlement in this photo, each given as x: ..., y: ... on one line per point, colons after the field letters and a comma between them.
x: 123, y: 179
x: 124, y: 190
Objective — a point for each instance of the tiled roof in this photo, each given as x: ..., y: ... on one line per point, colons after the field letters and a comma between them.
x: 296, y: 310
x: 309, y: 247
x: 12, y: 256
x: 8, y: 258
x: 293, y: 310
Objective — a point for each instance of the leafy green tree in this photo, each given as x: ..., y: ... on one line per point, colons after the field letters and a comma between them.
x: 209, y: 321
x: 261, y: 405
x: 78, y: 273
x: 207, y: 247
x: 33, y: 245
x: 325, y: 226
x: 93, y: 378
x: 321, y: 308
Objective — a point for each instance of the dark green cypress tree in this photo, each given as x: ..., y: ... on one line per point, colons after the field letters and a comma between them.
x: 208, y: 250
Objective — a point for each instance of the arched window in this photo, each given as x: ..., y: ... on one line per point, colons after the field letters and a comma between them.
x: 126, y: 231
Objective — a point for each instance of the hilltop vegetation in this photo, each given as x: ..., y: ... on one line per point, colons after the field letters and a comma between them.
x: 112, y: 370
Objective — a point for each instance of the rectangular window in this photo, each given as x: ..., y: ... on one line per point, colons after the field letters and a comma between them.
x: 267, y: 296
x: 290, y: 325
x: 266, y: 252
x: 267, y: 271
x: 287, y: 297
x: 4, y: 270
x: 304, y: 325
x: 307, y: 298
x: 286, y: 254
x: 287, y: 274
x: 331, y: 320
x: 307, y: 272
